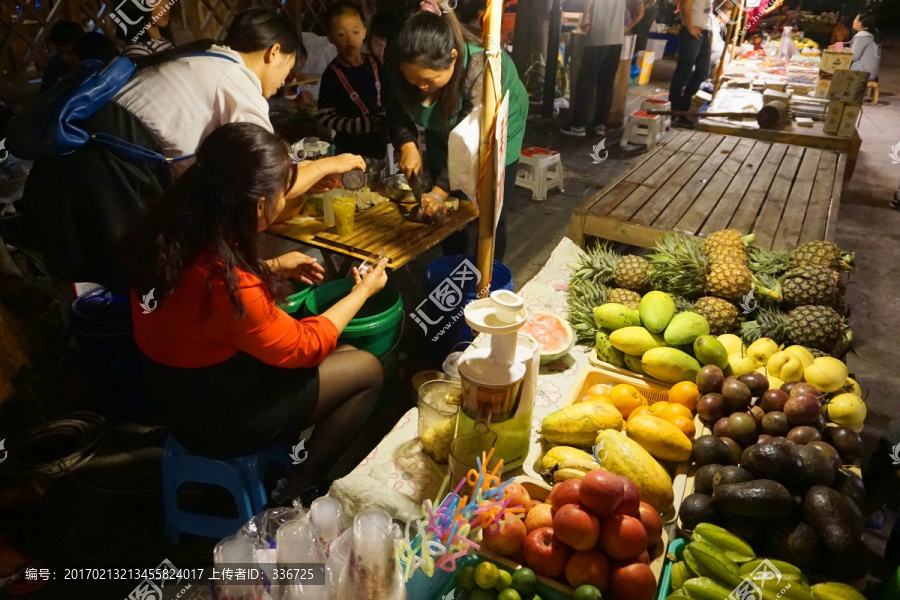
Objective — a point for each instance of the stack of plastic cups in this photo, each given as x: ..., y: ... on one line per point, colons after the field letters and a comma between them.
x: 325, y: 517
x: 236, y: 551
x: 373, y: 572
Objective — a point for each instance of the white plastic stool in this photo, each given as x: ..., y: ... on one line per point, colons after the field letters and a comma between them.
x: 643, y: 128
x: 539, y: 170
x: 662, y: 106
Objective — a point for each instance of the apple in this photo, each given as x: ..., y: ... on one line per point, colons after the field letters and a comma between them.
x: 545, y: 553
x: 634, y: 581
x: 631, y: 501
x: 601, y: 492
x: 576, y: 527
x: 588, y: 568
x: 652, y: 524
x: 623, y: 537
x: 534, y: 503
x: 508, y: 540
x: 564, y: 493
x: 539, y: 516
x: 517, y: 495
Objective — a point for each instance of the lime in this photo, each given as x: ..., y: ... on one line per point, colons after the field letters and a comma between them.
x: 509, y: 594
x: 504, y: 581
x: 465, y: 578
x: 587, y: 592
x: 480, y: 594
x: 524, y: 581
x: 486, y: 575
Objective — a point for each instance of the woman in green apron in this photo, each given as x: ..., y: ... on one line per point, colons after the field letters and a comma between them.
x: 436, y: 75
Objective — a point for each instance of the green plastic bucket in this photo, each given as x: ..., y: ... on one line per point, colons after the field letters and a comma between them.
x: 295, y: 301
x: 377, y: 326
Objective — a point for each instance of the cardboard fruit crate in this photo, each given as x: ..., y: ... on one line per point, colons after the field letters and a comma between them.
x: 654, y: 392
x: 539, y: 490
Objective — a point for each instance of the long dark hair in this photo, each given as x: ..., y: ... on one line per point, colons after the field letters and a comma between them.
x: 427, y: 40
x: 252, y: 30
x: 868, y: 21
x: 212, y: 208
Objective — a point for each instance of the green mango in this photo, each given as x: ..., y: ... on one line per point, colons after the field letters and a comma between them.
x: 710, y: 351
x: 686, y: 327
x: 670, y: 365
x: 606, y: 352
x: 635, y: 340
x: 657, y: 310
x: 612, y: 316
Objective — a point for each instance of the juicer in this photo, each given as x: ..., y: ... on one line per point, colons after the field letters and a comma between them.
x: 499, y: 380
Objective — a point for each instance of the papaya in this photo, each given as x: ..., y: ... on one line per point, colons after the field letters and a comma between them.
x: 577, y: 425
x: 670, y: 365
x: 612, y: 316
x: 661, y: 439
x: 685, y: 327
x: 560, y: 454
x: 626, y: 457
x: 635, y: 340
x: 656, y: 310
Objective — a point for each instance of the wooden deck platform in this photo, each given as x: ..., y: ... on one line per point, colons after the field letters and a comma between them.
x: 696, y: 183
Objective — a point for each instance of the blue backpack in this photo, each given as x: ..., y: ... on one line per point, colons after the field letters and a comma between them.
x: 52, y: 124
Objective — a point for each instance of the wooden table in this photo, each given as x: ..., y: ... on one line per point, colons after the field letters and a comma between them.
x: 791, y: 133
x: 382, y: 226
x: 696, y: 183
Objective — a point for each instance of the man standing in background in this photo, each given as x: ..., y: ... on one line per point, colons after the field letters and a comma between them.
x: 693, y: 55
x: 604, y: 23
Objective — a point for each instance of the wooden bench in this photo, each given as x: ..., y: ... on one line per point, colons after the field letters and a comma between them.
x: 696, y: 183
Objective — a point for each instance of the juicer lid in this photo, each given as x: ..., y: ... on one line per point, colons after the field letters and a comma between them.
x: 502, y: 312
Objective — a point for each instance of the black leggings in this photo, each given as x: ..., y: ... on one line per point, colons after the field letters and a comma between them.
x: 458, y: 243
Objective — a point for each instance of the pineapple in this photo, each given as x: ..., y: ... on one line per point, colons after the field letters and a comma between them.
x: 817, y: 327
x: 729, y: 254
x: 722, y: 315
x: 596, y: 265
x: 679, y: 266
x: 582, y: 298
x: 823, y: 254
x: 810, y: 285
x: 726, y: 238
x: 632, y: 272
x: 627, y: 297
x: 769, y: 262
x: 729, y: 280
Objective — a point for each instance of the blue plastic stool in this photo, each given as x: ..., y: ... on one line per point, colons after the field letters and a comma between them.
x: 242, y: 477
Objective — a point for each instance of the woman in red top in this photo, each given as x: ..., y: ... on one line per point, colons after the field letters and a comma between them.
x: 230, y: 373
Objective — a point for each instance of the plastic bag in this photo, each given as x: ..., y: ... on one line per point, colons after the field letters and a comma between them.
x: 462, y: 154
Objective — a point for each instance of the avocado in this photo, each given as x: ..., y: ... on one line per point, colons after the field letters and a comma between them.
x: 703, y: 479
x: 851, y: 485
x: 834, y: 517
x: 761, y: 499
x: 818, y: 469
x: 731, y: 474
x: 795, y: 542
x: 708, y: 450
x: 696, y: 509
x: 749, y: 530
x: 778, y: 462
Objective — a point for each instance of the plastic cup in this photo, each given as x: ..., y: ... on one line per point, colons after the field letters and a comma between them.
x: 344, y: 215
x: 438, y: 406
x: 464, y: 452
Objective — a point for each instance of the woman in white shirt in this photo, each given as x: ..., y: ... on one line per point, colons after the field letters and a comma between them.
x: 183, y: 95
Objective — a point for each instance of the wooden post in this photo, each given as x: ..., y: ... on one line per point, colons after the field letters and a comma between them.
x: 493, y: 16
x: 732, y: 34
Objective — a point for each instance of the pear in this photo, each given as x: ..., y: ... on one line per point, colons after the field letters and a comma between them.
x: 733, y: 344
x: 786, y: 365
x: 827, y: 374
x: 761, y: 350
x: 805, y: 356
x: 740, y: 364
